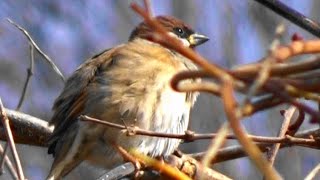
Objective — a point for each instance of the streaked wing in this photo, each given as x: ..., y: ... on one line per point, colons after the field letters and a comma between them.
x: 69, y: 105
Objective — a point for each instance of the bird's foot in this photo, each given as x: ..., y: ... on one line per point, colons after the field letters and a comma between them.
x: 128, y: 157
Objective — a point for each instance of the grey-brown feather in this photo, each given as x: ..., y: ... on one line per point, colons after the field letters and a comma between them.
x: 74, y: 88
x: 116, y: 93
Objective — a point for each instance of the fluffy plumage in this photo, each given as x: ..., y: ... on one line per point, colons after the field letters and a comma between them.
x: 129, y: 83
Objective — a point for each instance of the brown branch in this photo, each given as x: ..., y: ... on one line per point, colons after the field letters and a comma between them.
x: 252, y: 150
x: 260, y: 105
x: 213, y: 88
x: 23, y: 94
x: 280, y: 82
x: 27, y: 129
x: 191, y: 136
x: 9, y: 137
x: 209, y: 87
x: 41, y: 131
x: 173, y: 43
x: 22, y: 97
x: 282, y: 53
x: 219, y: 73
x: 34, y: 131
x: 147, y: 6
x: 294, y: 127
x: 279, y: 90
x: 234, y: 152
x: 278, y: 69
x: 297, y: 48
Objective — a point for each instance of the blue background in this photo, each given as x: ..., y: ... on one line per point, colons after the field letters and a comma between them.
x: 72, y: 31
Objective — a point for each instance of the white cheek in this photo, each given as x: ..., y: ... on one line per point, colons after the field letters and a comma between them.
x: 183, y: 41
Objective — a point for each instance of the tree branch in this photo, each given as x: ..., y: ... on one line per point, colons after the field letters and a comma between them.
x: 27, y: 129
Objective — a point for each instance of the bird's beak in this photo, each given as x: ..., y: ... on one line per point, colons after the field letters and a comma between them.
x: 197, y: 39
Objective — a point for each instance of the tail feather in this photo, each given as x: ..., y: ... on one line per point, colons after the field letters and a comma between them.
x: 68, y: 152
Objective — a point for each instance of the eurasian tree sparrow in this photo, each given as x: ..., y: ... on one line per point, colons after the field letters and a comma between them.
x: 129, y: 84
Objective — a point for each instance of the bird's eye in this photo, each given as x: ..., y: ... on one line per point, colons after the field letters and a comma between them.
x: 179, y: 32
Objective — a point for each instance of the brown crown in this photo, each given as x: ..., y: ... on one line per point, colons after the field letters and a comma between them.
x: 143, y: 30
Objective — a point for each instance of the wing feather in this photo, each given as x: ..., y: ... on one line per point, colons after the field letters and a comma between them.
x: 70, y: 103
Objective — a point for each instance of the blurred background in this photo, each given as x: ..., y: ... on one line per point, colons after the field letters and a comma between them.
x: 72, y: 31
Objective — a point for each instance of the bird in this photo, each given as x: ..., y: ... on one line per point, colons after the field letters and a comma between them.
x: 128, y: 84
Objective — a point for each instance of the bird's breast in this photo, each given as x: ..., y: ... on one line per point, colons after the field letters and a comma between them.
x: 136, y: 91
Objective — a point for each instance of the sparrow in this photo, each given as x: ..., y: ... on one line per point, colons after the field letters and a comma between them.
x: 129, y: 85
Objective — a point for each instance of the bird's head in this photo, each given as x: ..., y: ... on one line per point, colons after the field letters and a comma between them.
x: 175, y: 27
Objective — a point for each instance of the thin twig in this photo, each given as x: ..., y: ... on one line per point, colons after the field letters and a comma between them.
x: 215, y: 145
x: 173, y: 43
x: 29, y: 75
x: 163, y: 38
x: 288, y: 115
x: 260, y: 105
x: 301, y: 92
x: 41, y: 131
x: 278, y: 69
x: 5, y: 122
x: 264, y: 72
x: 46, y: 57
x: 279, y: 91
x: 3, y: 158
x: 313, y: 173
x: 147, y: 6
x: 209, y: 87
x: 252, y: 150
x: 224, y: 154
x: 9, y: 164
x: 190, y: 136
x: 297, y: 47
x: 234, y: 152
x: 294, y: 127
